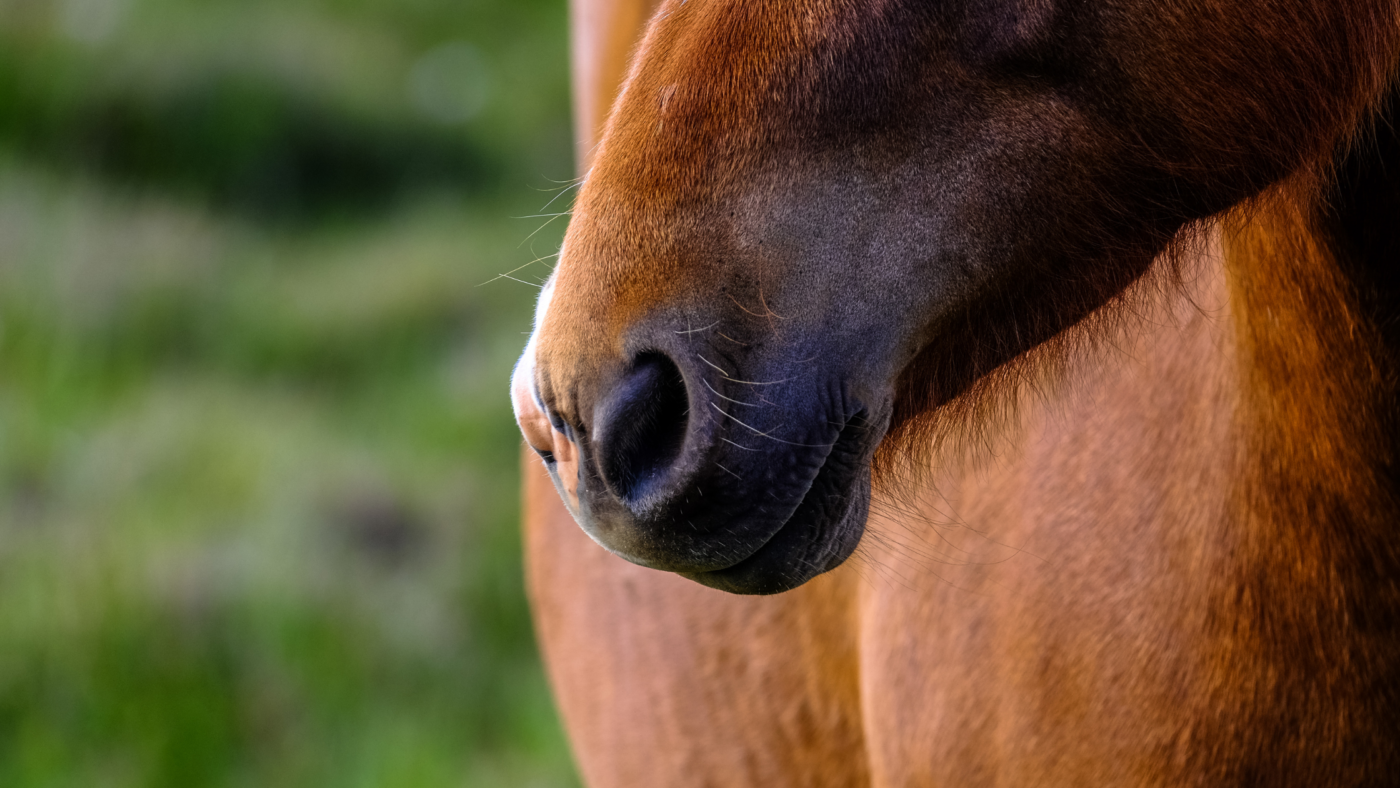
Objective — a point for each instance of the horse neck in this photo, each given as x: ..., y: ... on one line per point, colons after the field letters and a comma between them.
x: 1314, y: 293
x: 1312, y: 599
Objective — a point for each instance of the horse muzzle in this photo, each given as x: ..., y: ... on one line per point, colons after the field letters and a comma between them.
x: 735, y: 479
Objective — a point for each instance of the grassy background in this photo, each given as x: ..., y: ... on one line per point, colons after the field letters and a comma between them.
x: 257, y: 467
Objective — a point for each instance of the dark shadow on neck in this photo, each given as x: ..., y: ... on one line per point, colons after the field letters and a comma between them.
x: 1362, y: 217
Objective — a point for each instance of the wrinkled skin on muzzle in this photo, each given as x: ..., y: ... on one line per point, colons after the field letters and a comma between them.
x: 810, y: 223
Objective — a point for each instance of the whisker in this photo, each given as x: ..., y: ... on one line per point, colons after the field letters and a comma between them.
x: 770, y: 312
x: 731, y: 473
x: 541, y: 227
x: 729, y: 399
x: 757, y: 431
x: 513, y: 270
x: 544, y: 215
x: 698, y: 330
x: 537, y: 286
x: 716, y: 366
x: 756, y: 382
x: 732, y: 443
x: 563, y: 190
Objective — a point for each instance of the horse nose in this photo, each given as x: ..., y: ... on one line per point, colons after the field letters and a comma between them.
x: 640, y: 428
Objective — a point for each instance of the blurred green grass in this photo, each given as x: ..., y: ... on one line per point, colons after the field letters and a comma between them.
x: 258, y: 484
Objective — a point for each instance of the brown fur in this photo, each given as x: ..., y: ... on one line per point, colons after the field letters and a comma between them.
x: 1157, y: 548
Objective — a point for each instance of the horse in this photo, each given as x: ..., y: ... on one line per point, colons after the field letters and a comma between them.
x: 990, y: 393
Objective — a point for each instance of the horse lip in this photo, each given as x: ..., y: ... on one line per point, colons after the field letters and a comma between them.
x: 826, y: 483
x: 555, y: 446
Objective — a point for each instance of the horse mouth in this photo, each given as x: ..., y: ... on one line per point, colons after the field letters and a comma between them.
x: 822, y: 531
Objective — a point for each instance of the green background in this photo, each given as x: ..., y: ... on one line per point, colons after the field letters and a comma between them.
x: 258, y: 483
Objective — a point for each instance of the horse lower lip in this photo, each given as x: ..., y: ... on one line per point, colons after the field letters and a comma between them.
x: 831, y: 480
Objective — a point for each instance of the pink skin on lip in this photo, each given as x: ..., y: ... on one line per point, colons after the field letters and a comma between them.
x: 534, y: 422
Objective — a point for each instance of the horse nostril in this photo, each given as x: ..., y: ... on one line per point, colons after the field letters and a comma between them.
x: 642, y: 426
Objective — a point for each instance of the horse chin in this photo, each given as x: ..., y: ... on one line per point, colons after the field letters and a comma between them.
x: 797, y: 553
x: 821, y: 534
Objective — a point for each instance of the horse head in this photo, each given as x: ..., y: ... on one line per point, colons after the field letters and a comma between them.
x: 810, y: 224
